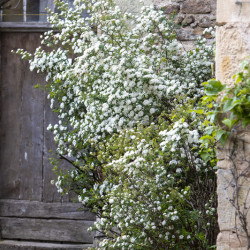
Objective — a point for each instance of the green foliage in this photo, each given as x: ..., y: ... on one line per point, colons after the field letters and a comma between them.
x: 231, y: 105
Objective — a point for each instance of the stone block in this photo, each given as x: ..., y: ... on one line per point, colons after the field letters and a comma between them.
x: 227, y: 240
x: 225, y: 164
x: 186, y: 35
x: 188, y: 20
x: 162, y: 3
x: 229, y: 11
x: 206, y: 22
x: 225, y: 152
x: 226, y: 190
x: 232, y: 47
x: 237, y: 148
x: 198, y: 31
x: 172, y: 8
x: 245, y: 135
x: 178, y: 20
x: 196, y: 7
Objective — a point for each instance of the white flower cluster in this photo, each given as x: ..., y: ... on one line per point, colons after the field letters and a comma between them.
x: 103, y: 82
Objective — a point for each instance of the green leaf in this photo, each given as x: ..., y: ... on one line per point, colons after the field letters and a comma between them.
x: 230, y: 104
x: 204, y: 83
x: 214, y: 87
x: 239, y: 78
x: 220, y: 133
x: 229, y: 122
x: 210, y: 105
x: 204, y: 137
x: 221, y: 136
x: 212, y: 116
x: 243, y: 91
x: 205, y: 156
x: 206, y: 123
x: 212, y: 247
x: 207, y: 99
x: 199, y: 111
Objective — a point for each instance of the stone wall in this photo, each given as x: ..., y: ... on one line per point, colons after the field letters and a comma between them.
x: 193, y: 16
x: 232, y: 46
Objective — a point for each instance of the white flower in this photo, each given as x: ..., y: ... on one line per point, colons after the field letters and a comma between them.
x: 62, y: 105
x: 131, y: 114
x: 152, y: 111
x: 105, y: 107
x: 178, y: 170
x: 49, y: 127
x: 79, y: 198
x: 140, y: 114
x: 85, y: 201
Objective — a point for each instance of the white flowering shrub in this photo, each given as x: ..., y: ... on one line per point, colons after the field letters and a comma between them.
x: 162, y: 191
x: 117, y: 82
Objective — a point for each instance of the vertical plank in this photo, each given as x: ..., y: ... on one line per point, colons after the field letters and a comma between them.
x: 32, y: 116
x: 10, y: 124
x: 21, y: 121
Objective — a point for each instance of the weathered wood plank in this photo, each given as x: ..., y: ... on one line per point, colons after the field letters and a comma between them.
x: 22, y: 120
x: 10, y: 123
x: 50, y: 230
x: 32, y: 116
x: 28, y: 245
x: 35, y: 209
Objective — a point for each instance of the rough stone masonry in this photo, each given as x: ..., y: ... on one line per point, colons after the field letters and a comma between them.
x: 192, y: 16
x: 233, y: 46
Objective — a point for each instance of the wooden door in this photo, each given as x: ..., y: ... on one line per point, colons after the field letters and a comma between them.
x: 30, y: 207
